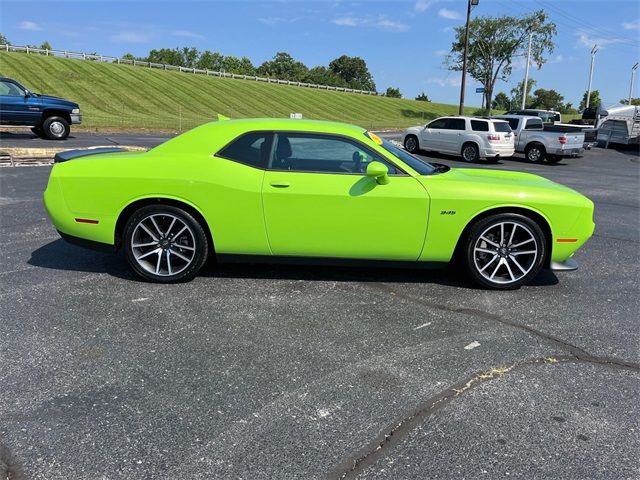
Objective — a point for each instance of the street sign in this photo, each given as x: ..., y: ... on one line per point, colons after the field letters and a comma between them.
x: 479, y: 89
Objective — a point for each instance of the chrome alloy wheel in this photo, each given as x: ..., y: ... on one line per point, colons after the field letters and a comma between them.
x: 535, y: 154
x: 469, y: 153
x: 411, y: 144
x: 56, y: 128
x: 163, y: 244
x: 505, y: 252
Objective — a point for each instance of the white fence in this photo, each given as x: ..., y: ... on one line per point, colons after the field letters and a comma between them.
x: 162, y: 66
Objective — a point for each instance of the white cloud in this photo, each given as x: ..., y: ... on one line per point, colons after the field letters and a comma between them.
x: 441, y: 53
x: 634, y: 25
x: 423, y: 5
x: 585, y: 40
x: 187, y: 34
x: 381, y: 22
x: 446, y: 81
x: 557, y: 59
x: 449, y: 14
x: 130, y: 37
x: 31, y: 26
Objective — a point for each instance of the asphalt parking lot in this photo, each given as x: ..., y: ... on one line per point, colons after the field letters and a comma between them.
x: 309, y: 372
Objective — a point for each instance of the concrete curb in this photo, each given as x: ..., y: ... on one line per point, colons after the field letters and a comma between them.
x: 14, y: 157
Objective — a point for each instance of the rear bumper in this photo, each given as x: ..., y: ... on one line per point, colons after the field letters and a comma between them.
x: 90, y: 244
x: 497, y: 152
x: 567, y: 266
x: 567, y: 152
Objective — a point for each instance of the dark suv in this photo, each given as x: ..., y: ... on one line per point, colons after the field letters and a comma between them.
x: 47, y: 116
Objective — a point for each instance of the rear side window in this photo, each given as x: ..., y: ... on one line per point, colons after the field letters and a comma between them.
x: 251, y: 149
x: 479, y: 126
x: 502, y: 127
x: 533, y: 124
x: 456, y: 124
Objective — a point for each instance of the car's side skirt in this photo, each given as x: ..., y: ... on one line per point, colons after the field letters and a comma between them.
x: 328, y: 261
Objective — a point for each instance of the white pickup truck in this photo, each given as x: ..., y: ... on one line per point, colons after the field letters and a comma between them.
x: 539, y: 143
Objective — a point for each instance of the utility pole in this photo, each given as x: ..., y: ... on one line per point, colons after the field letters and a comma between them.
x: 593, y: 57
x: 633, y: 75
x: 470, y: 3
x: 526, y: 72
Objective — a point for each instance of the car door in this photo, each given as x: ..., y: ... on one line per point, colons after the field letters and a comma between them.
x: 17, y: 107
x: 453, y: 135
x: 318, y: 202
x: 431, y: 137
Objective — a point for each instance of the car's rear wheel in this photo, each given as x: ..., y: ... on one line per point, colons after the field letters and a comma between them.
x: 470, y: 152
x: 535, y: 152
x: 411, y: 144
x: 56, y: 128
x: 504, y: 251
x: 165, y: 244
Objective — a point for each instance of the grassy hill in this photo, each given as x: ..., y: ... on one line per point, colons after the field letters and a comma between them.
x: 123, y: 96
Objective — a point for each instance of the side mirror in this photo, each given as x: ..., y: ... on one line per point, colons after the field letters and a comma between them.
x: 27, y: 94
x: 379, y: 171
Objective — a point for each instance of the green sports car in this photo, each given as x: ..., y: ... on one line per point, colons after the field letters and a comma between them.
x: 271, y: 189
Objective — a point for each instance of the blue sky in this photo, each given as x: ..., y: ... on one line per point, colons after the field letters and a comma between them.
x: 403, y: 41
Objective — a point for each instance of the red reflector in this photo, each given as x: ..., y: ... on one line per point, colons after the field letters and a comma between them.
x: 86, y: 220
x: 567, y: 240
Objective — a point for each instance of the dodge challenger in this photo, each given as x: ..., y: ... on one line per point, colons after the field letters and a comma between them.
x: 313, y: 191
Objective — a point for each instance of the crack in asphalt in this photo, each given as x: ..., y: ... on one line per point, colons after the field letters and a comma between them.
x: 355, y: 463
x: 9, y: 468
x: 400, y: 429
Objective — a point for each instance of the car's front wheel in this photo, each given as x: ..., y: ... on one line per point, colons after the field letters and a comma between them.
x: 504, y: 251
x: 411, y: 144
x: 56, y: 128
x: 165, y: 244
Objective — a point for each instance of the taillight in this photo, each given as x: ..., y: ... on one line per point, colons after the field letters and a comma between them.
x: 493, y: 137
x: 562, y: 140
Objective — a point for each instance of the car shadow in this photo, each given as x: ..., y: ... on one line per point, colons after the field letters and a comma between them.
x: 27, y: 135
x: 59, y: 255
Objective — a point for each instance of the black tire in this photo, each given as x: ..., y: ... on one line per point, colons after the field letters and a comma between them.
x: 553, y: 158
x: 191, y: 244
x: 411, y: 144
x: 38, y: 131
x: 496, y: 268
x: 56, y: 128
x: 470, y: 152
x: 535, y: 152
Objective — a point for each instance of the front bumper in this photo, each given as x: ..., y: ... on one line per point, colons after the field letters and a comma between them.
x: 76, y: 118
x: 567, y: 266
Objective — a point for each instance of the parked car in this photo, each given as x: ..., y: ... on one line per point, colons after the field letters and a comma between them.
x: 472, y: 138
x: 49, y: 117
x: 280, y: 190
x: 539, y: 144
x: 548, y: 116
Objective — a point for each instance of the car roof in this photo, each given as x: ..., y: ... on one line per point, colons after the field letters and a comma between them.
x: 288, y: 124
x: 513, y: 115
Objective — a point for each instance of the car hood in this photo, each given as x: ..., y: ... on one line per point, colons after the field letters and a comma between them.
x: 58, y: 101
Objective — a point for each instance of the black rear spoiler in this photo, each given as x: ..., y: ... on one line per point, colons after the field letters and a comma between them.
x: 71, y: 154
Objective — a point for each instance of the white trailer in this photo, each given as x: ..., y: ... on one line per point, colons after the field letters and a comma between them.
x: 619, y: 124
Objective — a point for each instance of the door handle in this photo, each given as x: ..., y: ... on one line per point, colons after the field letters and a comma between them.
x: 279, y: 184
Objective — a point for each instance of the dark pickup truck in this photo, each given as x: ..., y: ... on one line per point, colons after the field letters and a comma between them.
x: 49, y: 117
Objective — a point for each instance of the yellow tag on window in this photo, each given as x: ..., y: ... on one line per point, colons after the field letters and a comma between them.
x: 375, y: 138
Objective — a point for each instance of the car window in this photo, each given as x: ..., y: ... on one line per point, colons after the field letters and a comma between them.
x: 479, y: 126
x: 251, y: 149
x: 440, y: 123
x: 419, y: 165
x: 513, y: 123
x: 534, y: 124
x: 502, y: 127
x: 309, y: 152
x: 456, y: 124
x: 10, y: 89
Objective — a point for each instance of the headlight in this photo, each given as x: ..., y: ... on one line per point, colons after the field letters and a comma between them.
x: 75, y: 110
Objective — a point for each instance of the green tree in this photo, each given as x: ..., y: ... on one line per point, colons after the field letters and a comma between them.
x: 284, y: 67
x: 354, y: 71
x: 128, y: 56
x: 547, y: 99
x: 494, y: 42
x: 169, y: 56
x: 594, y: 100
x: 501, y: 102
x: 423, y: 97
x: 241, y: 66
x: 4, y: 40
x: 46, y: 46
x: 209, y: 60
x: 323, y: 76
x: 634, y: 101
x: 190, y: 57
x: 567, y: 108
x: 516, y: 94
x: 393, y: 92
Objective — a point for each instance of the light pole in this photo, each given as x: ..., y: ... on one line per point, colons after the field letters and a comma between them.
x: 633, y: 75
x: 526, y: 72
x: 470, y: 4
x: 593, y: 57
